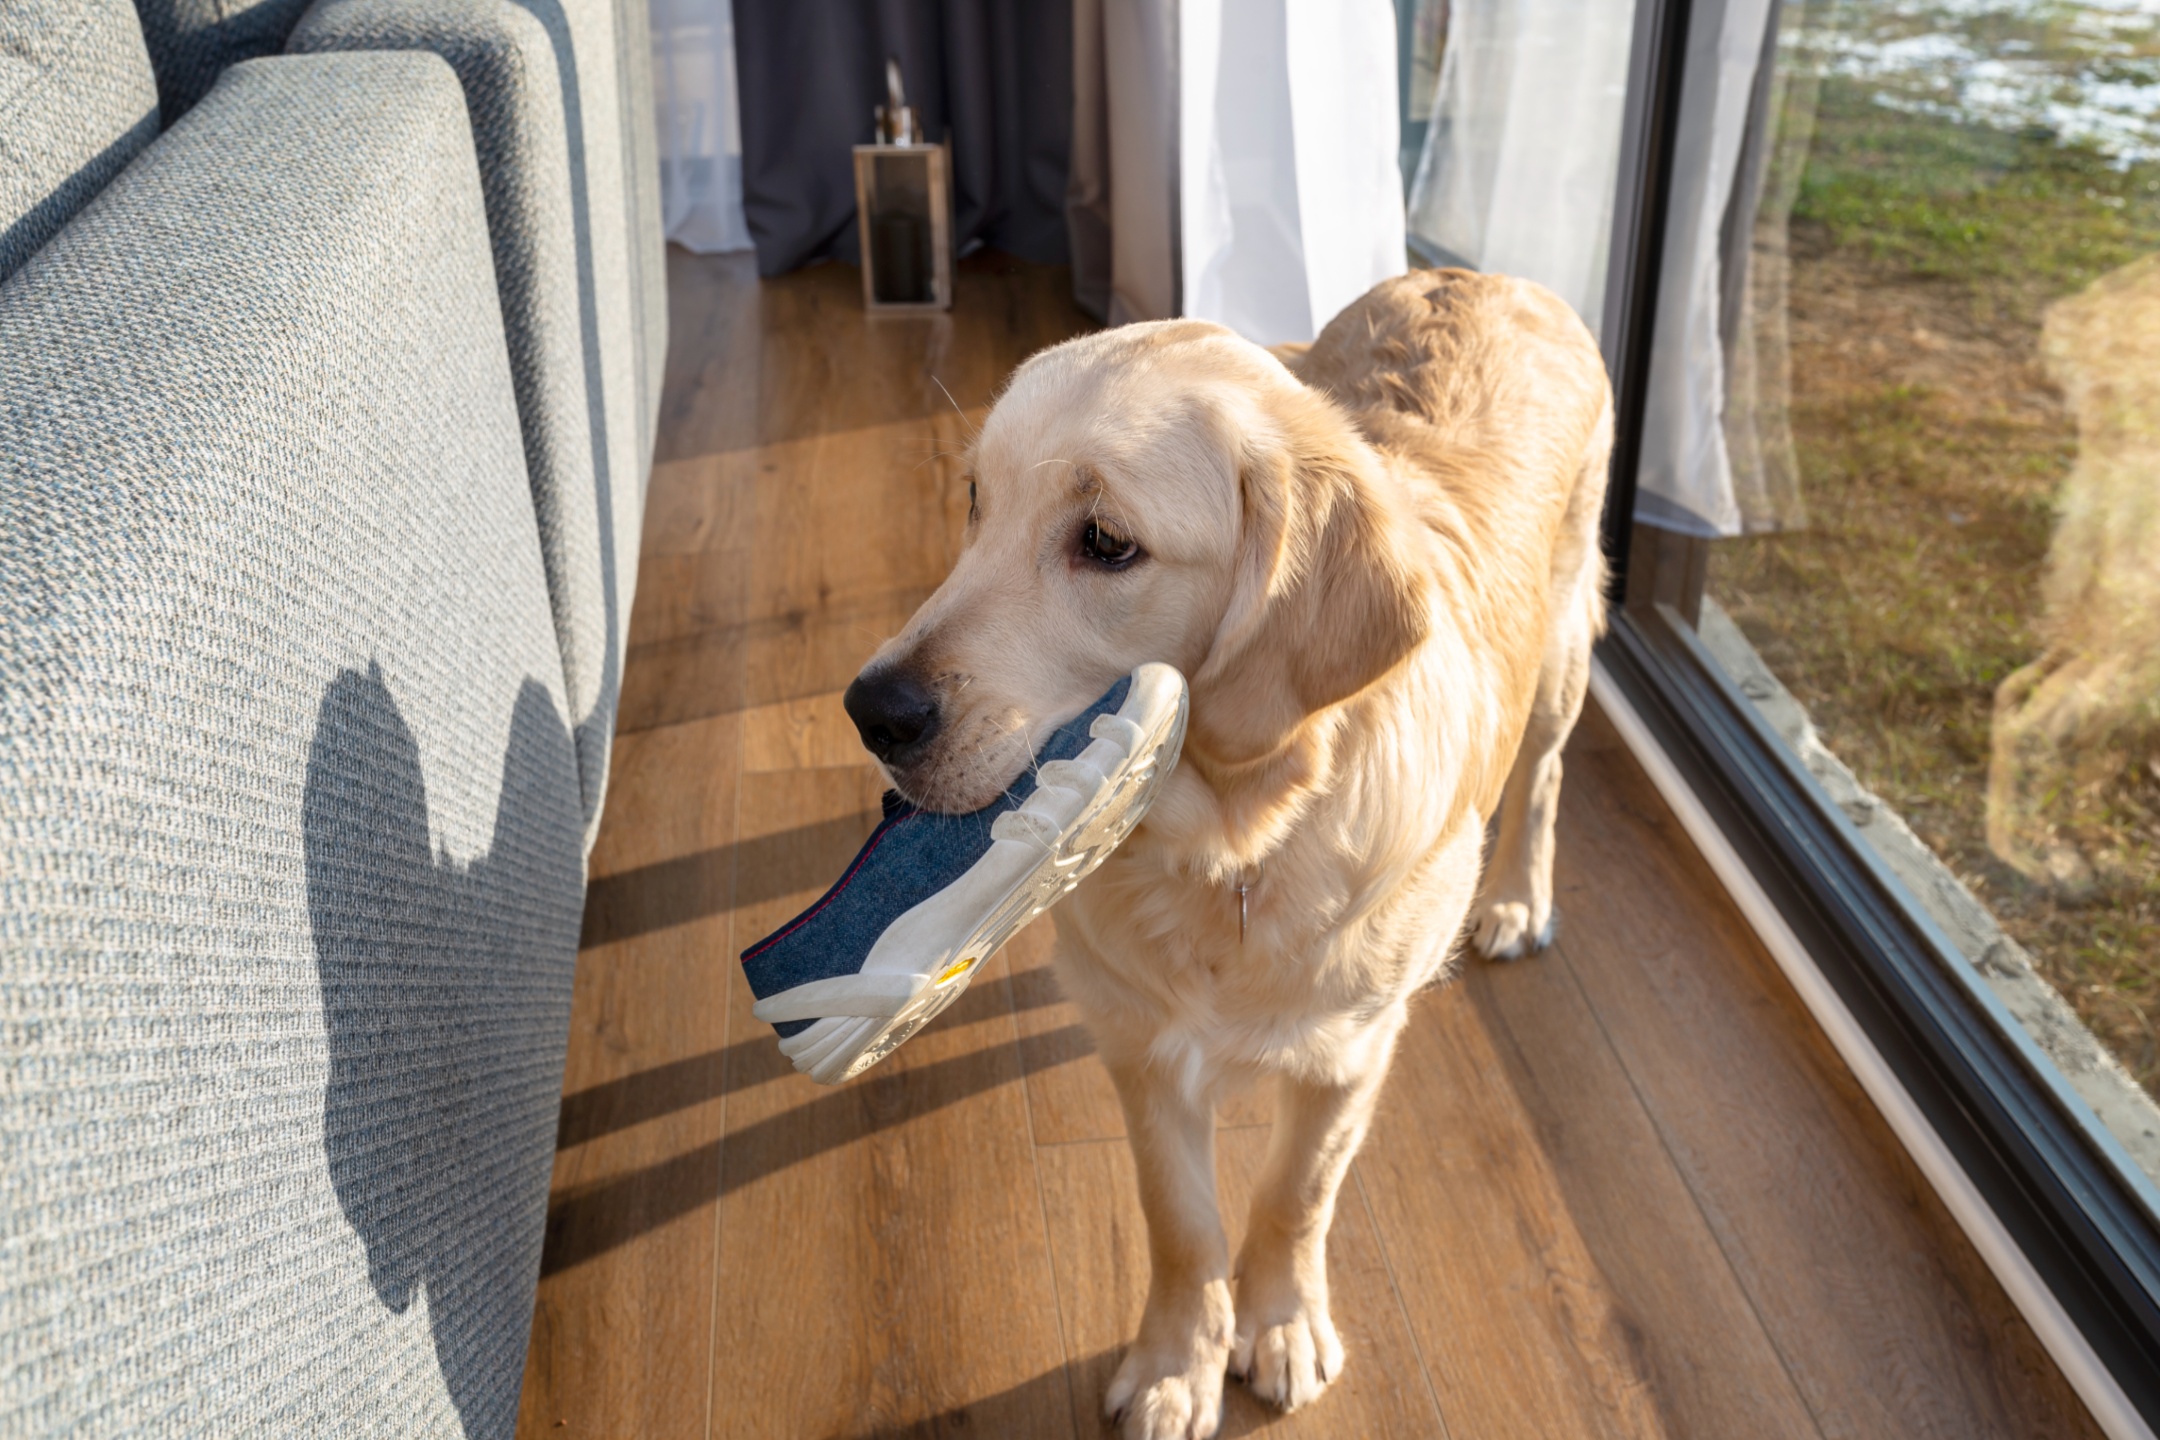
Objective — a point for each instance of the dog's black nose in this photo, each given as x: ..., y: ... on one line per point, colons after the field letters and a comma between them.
x: 894, y: 713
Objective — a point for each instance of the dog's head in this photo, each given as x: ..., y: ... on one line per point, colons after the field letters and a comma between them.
x: 1156, y: 492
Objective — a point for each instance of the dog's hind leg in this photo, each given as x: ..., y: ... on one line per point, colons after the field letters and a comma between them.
x: 1287, y: 1349
x: 1515, y: 911
x: 1169, y: 1385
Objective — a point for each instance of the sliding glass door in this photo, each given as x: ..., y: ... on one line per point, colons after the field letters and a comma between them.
x: 1884, y: 314
x: 1942, y: 429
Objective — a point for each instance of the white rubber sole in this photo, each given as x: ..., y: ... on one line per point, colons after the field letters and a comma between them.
x: 1081, y: 810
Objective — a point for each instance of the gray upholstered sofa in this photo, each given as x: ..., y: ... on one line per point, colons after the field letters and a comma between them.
x: 330, y: 352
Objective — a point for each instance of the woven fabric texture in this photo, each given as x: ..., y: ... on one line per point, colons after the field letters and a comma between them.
x: 588, y: 37
x: 604, y: 51
x: 648, y: 234
x: 603, y: 127
x: 290, y: 877
x: 507, y: 64
x: 76, y: 103
x: 192, y: 41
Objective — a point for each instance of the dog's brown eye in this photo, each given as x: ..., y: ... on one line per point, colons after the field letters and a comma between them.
x: 1105, y: 547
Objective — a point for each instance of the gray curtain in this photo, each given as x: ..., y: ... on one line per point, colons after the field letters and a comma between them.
x: 1121, y: 202
x: 993, y: 78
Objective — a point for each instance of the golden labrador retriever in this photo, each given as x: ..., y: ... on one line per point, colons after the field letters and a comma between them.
x: 1377, y: 562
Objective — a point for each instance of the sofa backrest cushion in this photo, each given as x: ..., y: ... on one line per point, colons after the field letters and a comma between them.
x: 76, y: 103
x: 290, y: 876
x: 547, y: 266
x: 605, y: 175
x: 192, y: 41
x: 591, y: 41
x: 648, y: 229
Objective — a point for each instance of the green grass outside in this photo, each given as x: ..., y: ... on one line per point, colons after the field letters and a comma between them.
x: 2011, y: 220
x: 1931, y: 449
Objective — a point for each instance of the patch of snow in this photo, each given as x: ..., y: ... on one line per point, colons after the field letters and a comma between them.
x: 2097, y: 83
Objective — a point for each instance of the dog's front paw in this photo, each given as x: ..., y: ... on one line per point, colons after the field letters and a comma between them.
x: 1168, y: 1392
x: 1288, y: 1363
x: 1508, y: 930
x: 1169, y: 1387
x: 1285, y: 1349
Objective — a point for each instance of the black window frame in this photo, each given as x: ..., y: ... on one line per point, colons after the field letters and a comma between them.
x: 2060, y: 1187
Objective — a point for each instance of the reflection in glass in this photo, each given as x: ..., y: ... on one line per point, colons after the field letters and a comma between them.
x: 2088, y: 707
x: 1421, y: 39
x: 1927, y: 321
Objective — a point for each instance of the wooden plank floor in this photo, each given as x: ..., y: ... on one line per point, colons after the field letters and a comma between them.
x: 1622, y: 1189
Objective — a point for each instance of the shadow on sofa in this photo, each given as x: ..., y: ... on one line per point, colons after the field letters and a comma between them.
x: 431, y: 1112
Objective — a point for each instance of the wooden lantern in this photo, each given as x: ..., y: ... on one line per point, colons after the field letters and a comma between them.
x: 903, y: 212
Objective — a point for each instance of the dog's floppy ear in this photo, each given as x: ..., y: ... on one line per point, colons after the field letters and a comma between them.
x: 1325, y: 599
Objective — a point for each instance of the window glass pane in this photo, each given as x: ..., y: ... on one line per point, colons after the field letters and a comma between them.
x: 1421, y: 39
x: 1522, y: 139
x: 1907, y: 394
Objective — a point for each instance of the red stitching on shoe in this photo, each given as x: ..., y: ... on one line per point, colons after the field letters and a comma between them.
x: 833, y: 894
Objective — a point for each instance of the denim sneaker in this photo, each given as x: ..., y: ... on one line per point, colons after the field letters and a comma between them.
x: 930, y: 897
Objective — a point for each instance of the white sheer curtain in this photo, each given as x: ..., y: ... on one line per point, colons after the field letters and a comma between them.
x: 1686, y: 478
x: 1290, y: 195
x: 1521, y: 157
x: 700, y: 124
x: 1519, y: 176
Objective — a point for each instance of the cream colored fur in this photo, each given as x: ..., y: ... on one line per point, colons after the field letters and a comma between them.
x: 1376, y: 560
